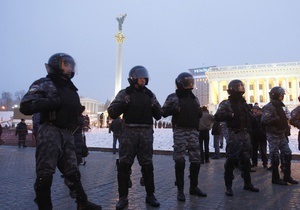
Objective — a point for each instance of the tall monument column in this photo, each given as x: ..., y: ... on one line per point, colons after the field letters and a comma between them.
x: 120, y: 39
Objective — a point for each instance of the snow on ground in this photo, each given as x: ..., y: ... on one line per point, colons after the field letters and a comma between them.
x: 163, y: 139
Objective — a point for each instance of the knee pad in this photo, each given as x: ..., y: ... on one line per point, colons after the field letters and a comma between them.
x: 74, y: 177
x: 147, y: 168
x: 123, y: 167
x: 43, y: 182
x: 180, y: 166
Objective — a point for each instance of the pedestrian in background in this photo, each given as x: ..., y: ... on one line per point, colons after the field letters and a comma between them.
x: 55, y: 97
x: 21, y: 132
x: 205, y: 124
x: 1, y: 141
x: 237, y: 115
x: 116, y: 128
x: 139, y: 106
x: 184, y: 107
x: 262, y: 139
x: 276, y: 123
x: 216, y: 131
x: 295, y: 120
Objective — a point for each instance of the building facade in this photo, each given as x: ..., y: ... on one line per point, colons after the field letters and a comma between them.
x: 93, y: 108
x: 259, y: 79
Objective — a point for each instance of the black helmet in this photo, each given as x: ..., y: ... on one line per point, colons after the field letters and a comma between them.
x: 185, y: 81
x: 136, y: 73
x: 236, y: 86
x: 54, y: 65
x: 276, y: 92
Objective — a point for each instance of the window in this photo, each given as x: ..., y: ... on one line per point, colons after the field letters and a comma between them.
x: 224, y: 87
x: 290, y: 85
x: 261, y: 98
x: 270, y: 86
x: 251, y: 87
x: 291, y: 97
x: 260, y: 86
x: 251, y: 99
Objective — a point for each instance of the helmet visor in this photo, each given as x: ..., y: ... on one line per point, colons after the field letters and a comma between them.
x: 187, y: 82
x: 240, y: 88
x: 140, y: 74
x: 68, y: 66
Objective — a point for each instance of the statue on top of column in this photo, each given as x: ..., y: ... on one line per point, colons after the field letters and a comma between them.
x: 120, y: 19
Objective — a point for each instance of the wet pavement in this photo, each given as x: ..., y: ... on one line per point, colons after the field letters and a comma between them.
x: 99, y: 179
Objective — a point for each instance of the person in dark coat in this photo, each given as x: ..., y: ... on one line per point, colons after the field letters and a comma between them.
x: 216, y: 131
x: 21, y: 132
x: 116, y: 128
x: 205, y: 124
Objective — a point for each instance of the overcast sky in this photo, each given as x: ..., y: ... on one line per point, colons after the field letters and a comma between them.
x: 166, y: 36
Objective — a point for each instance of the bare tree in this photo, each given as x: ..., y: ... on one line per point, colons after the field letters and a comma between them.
x: 7, y: 100
x: 18, y: 96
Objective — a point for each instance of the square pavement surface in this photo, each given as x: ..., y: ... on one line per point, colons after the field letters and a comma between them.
x: 99, y: 179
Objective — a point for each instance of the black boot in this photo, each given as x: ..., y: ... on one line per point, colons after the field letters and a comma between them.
x: 88, y: 206
x: 229, y: 166
x: 42, y: 188
x: 81, y: 198
x: 124, y: 171
x: 247, y: 177
x: 152, y: 200
x: 147, y: 172
x: 275, y: 173
x: 122, y: 203
x: 228, y: 190
x: 179, y: 173
x: 250, y: 187
x: 194, y: 172
x: 287, y: 170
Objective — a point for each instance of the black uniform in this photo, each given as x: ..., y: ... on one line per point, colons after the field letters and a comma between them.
x: 138, y: 106
x: 55, y: 98
x: 237, y: 115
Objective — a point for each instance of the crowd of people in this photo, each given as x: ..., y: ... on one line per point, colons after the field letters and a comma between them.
x: 245, y: 128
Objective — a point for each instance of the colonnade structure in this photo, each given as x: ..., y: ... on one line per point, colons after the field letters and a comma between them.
x: 258, y: 79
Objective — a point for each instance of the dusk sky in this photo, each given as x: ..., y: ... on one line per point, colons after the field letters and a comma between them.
x: 166, y: 36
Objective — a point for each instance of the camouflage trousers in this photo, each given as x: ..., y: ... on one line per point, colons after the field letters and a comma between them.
x: 136, y: 142
x: 186, y: 141
x: 278, y: 142
x: 238, y: 145
x: 55, y: 148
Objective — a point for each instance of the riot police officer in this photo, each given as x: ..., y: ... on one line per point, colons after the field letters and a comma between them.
x: 138, y: 105
x: 236, y: 113
x: 276, y: 123
x: 55, y: 97
x: 184, y: 107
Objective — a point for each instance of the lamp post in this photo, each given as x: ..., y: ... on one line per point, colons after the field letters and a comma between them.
x: 120, y: 39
